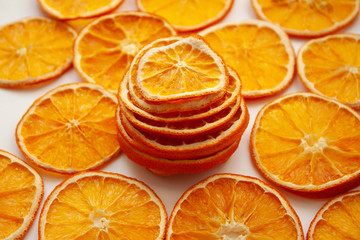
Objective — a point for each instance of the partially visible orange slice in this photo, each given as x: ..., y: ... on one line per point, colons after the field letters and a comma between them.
x: 309, y: 17
x: 21, y: 192
x: 229, y: 206
x: 338, y: 219
x: 69, y: 9
x: 99, y: 205
x: 106, y: 47
x: 34, y: 50
x: 70, y: 129
x: 330, y: 66
x: 308, y: 144
x: 183, y: 69
x: 188, y: 15
x: 260, y: 52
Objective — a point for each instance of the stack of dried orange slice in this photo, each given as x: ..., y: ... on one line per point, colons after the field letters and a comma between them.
x: 180, y: 107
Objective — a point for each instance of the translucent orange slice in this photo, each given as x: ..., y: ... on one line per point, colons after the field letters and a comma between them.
x: 338, y: 219
x: 229, y: 206
x: 99, y: 205
x: 68, y: 9
x: 330, y: 66
x: 307, y: 144
x: 308, y: 17
x: 184, y: 69
x: 34, y: 50
x: 260, y: 52
x: 106, y: 47
x: 21, y: 192
x: 187, y: 15
x: 71, y: 128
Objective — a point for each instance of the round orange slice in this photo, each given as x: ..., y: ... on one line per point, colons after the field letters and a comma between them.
x: 309, y: 17
x: 99, y: 205
x: 183, y: 69
x: 307, y: 144
x: 69, y: 9
x: 330, y: 66
x: 260, y: 52
x: 187, y: 15
x: 338, y: 219
x: 21, y: 192
x: 34, y: 50
x: 71, y: 128
x: 106, y: 47
x: 229, y: 206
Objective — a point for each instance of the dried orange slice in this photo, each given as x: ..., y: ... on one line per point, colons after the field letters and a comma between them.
x: 106, y: 47
x: 330, y: 66
x: 229, y: 206
x: 307, y: 144
x: 338, y: 219
x: 71, y: 128
x: 184, y: 69
x: 99, y: 205
x: 309, y: 17
x: 69, y: 9
x: 21, y: 192
x: 187, y: 15
x: 34, y: 50
x: 260, y: 52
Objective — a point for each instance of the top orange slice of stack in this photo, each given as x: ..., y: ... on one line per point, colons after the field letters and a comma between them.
x: 310, y: 17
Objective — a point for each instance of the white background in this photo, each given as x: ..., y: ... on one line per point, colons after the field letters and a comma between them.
x: 14, y: 103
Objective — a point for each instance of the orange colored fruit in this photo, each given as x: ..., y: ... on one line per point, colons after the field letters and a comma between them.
x: 188, y: 15
x: 330, y: 66
x: 180, y: 70
x: 260, y: 52
x: 229, y: 206
x: 106, y: 47
x: 99, y: 205
x: 70, y: 129
x: 21, y: 192
x: 338, y: 219
x: 308, y: 18
x: 307, y: 144
x: 69, y: 9
x: 34, y: 50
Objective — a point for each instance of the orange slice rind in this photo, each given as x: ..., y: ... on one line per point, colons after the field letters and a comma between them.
x: 34, y: 50
x: 21, y: 192
x: 307, y: 144
x: 330, y: 66
x: 308, y: 18
x: 229, y: 206
x: 70, y: 129
x: 99, y: 205
x: 260, y: 52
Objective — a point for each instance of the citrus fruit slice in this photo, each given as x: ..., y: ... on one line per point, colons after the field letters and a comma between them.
x: 138, y: 153
x: 307, y: 144
x: 34, y: 50
x: 202, y: 145
x: 308, y: 18
x: 180, y: 114
x: 260, y: 52
x: 229, y: 206
x: 69, y: 9
x: 330, y: 66
x: 184, y: 69
x: 71, y: 128
x: 338, y: 219
x: 21, y: 191
x: 106, y: 47
x: 186, y: 15
x: 99, y: 205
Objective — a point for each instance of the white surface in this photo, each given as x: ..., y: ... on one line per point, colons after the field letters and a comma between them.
x: 14, y: 103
